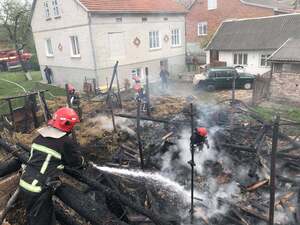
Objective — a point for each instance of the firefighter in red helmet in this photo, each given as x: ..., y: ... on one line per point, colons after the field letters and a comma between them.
x: 50, y: 152
x: 199, y: 138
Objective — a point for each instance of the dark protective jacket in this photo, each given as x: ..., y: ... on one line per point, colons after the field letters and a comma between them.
x: 198, y: 140
x: 48, y: 156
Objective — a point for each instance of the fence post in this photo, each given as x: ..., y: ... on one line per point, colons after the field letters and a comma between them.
x: 273, y: 169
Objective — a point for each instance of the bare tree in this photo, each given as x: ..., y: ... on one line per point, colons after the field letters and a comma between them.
x: 15, y: 16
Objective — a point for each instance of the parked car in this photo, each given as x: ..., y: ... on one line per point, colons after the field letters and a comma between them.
x: 222, y: 78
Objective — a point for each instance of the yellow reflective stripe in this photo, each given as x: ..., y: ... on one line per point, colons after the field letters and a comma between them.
x: 46, y: 150
x: 45, y: 164
x: 30, y: 187
x: 60, y: 167
x: 34, y: 182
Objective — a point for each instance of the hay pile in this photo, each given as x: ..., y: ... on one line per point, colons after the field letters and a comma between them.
x: 166, y: 106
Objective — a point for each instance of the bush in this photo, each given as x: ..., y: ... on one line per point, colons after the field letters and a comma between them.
x: 33, y: 63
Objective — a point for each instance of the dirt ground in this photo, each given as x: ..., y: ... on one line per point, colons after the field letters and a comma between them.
x: 95, y: 132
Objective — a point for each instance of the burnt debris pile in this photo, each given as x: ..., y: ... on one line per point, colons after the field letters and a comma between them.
x: 232, y: 179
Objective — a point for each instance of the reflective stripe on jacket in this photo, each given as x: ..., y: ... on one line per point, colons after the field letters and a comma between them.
x: 47, y: 157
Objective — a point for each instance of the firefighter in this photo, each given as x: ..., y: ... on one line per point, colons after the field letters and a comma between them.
x: 74, y: 96
x: 199, y: 138
x: 50, y: 151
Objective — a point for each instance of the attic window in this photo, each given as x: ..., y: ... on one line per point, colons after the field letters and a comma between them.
x: 119, y: 19
x: 56, y: 10
x: 144, y: 19
x: 47, y: 10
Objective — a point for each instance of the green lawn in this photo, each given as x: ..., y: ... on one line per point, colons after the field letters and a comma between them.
x: 286, y: 112
x: 9, y: 89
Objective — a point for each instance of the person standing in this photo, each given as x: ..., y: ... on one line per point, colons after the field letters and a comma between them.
x: 48, y: 74
x: 50, y: 152
x: 164, y: 76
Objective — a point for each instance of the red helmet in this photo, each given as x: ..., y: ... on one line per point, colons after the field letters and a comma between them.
x: 64, y: 119
x: 202, y: 131
x: 137, y: 79
x: 137, y: 87
x: 70, y: 88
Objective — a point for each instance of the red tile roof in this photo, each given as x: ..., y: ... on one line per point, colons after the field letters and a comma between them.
x: 134, y: 6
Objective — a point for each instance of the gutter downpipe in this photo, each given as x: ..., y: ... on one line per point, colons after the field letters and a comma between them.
x: 93, y: 49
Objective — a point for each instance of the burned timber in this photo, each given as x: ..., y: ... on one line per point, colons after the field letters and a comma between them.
x: 138, y: 169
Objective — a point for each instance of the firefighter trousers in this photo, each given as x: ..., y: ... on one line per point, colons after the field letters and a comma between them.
x: 39, y: 207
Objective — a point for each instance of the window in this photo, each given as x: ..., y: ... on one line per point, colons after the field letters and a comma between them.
x: 75, y: 51
x: 240, y: 59
x: 49, y: 49
x: 47, y: 10
x: 263, y: 60
x: 136, y: 72
x: 176, y: 41
x: 119, y: 19
x: 144, y: 19
x: 154, y: 40
x: 212, y: 4
x: 56, y: 11
x: 202, y: 28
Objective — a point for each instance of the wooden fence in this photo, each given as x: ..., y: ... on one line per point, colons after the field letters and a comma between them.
x: 261, y: 88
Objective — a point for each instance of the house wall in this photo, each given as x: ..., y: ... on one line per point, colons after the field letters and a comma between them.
x: 72, y: 15
x: 285, y: 87
x: 226, y: 9
x: 131, y: 56
x: 73, y: 20
x: 254, y: 58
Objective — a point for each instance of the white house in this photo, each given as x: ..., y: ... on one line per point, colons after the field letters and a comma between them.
x: 250, y: 42
x: 84, y: 38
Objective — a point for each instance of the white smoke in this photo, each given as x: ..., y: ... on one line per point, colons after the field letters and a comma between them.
x: 105, y: 123
x: 213, y: 190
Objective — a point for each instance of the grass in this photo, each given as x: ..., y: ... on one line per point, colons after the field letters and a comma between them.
x: 8, y: 89
x: 287, y: 112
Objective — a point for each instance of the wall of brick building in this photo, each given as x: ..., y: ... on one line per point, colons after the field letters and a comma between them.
x: 226, y: 9
x: 285, y: 87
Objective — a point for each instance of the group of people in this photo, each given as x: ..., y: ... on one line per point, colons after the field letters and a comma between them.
x: 53, y: 149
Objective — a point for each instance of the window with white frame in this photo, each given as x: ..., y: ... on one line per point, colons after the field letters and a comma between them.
x: 240, y: 58
x: 212, y: 4
x: 47, y: 10
x: 154, y: 40
x: 75, y: 50
x: 264, y: 60
x: 56, y: 10
x: 49, y: 49
x: 176, y: 39
x: 202, y: 28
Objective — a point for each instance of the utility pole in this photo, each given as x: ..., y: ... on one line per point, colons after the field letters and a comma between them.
x: 233, y: 87
x: 273, y: 169
x: 147, y: 91
x: 192, y: 164
x: 138, y: 132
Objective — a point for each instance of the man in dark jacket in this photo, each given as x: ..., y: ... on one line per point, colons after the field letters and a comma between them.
x: 164, y: 76
x: 48, y: 74
x: 50, y: 151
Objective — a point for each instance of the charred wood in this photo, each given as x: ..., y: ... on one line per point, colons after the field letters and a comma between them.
x: 9, y: 167
x: 85, y: 206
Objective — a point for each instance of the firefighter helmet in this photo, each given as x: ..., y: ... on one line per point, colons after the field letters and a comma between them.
x: 202, y: 131
x: 137, y: 87
x: 64, y: 119
x: 136, y: 78
x: 71, y: 88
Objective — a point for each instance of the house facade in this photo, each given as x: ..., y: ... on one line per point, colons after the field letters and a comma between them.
x: 85, y: 38
x: 250, y: 42
x: 205, y: 16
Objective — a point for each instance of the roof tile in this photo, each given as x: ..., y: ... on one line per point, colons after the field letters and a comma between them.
x: 134, y: 6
